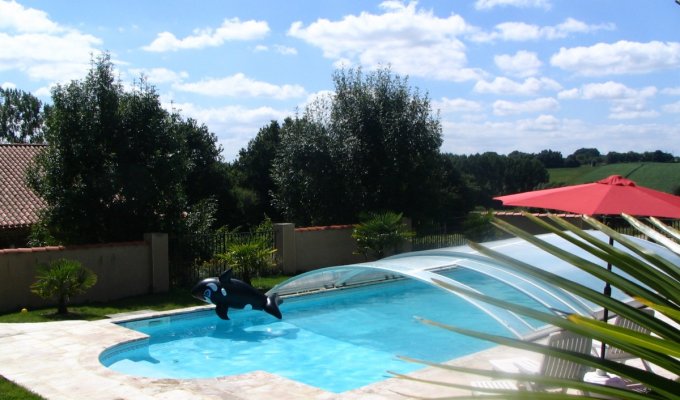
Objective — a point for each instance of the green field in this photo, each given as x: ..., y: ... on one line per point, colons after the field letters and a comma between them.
x: 659, y: 176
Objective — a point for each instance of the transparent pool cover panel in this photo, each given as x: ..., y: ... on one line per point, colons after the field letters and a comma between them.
x: 462, y: 266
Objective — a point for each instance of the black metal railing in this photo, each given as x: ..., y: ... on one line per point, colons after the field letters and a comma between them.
x: 194, y: 257
x: 436, y: 239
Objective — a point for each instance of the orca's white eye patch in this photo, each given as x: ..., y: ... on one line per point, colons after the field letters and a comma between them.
x: 224, y: 292
x: 212, y: 286
x: 207, y: 293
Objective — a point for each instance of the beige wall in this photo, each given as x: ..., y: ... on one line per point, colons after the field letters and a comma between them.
x: 305, y: 249
x: 123, y: 269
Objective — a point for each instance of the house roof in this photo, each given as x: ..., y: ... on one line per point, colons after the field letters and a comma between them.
x: 19, y: 205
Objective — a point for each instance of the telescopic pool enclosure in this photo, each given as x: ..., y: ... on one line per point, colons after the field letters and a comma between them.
x: 426, y: 266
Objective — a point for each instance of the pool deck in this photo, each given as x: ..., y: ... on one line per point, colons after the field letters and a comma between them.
x: 60, y: 360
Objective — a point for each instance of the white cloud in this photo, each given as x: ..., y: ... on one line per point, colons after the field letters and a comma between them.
x: 626, y: 103
x: 530, y: 86
x: 40, y: 48
x: 233, y: 125
x: 504, y: 108
x: 15, y: 17
x: 412, y: 41
x: 674, y: 91
x: 559, y: 134
x: 320, y: 96
x: 622, y: 57
x: 239, y: 85
x: 231, y: 30
x: 673, y: 108
x: 521, y: 31
x: 285, y: 50
x: 8, y: 85
x: 522, y: 64
x: 489, y: 4
x: 160, y: 75
x: 45, y: 91
x: 608, y: 90
x: 454, y: 106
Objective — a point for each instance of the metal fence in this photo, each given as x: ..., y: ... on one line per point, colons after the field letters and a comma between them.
x: 437, y: 239
x: 440, y: 238
x: 194, y: 256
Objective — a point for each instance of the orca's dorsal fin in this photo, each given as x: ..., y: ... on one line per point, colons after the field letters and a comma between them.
x: 226, y: 276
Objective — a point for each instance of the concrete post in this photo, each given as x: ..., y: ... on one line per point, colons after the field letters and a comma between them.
x: 285, y: 247
x: 159, y: 274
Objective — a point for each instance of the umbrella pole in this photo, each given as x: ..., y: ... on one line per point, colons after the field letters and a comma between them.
x: 605, y: 311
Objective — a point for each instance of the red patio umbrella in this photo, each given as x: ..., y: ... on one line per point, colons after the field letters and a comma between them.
x: 610, y: 196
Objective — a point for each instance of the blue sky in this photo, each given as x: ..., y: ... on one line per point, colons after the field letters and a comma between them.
x: 505, y: 75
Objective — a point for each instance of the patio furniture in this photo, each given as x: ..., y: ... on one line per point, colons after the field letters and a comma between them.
x: 550, y: 366
x: 616, y: 354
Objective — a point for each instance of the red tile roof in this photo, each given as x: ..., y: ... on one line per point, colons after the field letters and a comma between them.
x: 19, y: 205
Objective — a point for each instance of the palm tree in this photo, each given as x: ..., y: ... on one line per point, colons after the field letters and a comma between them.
x: 380, y: 233
x: 657, y: 287
x: 63, y: 279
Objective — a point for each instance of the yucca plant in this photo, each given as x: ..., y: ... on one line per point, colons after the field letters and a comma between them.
x: 63, y: 279
x: 657, y: 287
x: 249, y: 259
x: 250, y: 255
x: 380, y: 233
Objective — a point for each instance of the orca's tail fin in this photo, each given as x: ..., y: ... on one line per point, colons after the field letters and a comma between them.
x: 272, y: 306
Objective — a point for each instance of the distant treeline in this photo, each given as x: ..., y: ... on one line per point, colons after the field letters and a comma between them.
x: 590, y: 156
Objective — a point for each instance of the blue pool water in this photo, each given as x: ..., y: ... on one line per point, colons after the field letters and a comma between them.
x: 336, y: 341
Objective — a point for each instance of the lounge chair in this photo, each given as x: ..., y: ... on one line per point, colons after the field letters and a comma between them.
x: 616, y: 354
x: 550, y: 366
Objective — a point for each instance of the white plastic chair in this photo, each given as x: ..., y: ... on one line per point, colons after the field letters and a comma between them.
x: 616, y: 354
x: 550, y: 366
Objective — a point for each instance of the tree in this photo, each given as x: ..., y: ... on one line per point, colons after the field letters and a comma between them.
x: 551, y: 159
x: 208, y: 176
x: 63, y: 279
x: 496, y: 174
x: 309, y: 189
x: 254, y: 166
x: 585, y: 156
x: 372, y: 145
x: 117, y: 165
x: 388, y: 141
x: 523, y: 173
x: 21, y: 117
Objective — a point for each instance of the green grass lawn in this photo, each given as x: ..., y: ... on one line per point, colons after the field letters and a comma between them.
x: 659, y: 176
x: 10, y: 391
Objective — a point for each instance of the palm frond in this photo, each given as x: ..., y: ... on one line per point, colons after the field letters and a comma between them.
x: 649, y: 278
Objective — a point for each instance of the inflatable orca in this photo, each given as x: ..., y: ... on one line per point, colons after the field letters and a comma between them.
x: 228, y: 292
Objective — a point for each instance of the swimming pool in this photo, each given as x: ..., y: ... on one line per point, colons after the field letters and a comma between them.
x: 337, y: 340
